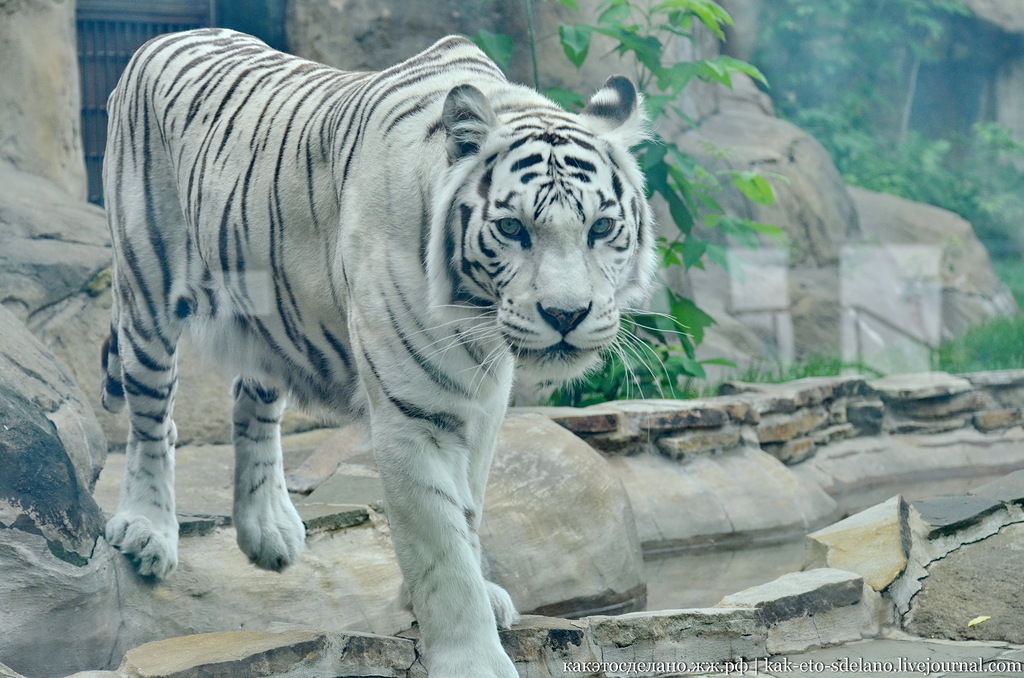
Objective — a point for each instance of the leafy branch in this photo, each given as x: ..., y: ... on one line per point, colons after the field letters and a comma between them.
x: 659, y: 349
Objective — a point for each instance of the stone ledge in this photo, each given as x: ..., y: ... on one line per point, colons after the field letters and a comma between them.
x: 804, y: 610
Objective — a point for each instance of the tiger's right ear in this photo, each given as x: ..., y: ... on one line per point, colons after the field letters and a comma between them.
x: 467, y: 118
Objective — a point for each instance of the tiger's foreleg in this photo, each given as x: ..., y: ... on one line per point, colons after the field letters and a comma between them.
x: 269, y: 529
x: 432, y: 515
x: 145, y: 528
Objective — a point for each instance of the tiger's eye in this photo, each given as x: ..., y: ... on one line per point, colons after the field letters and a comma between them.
x: 602, y: 226
x: 510, y: 227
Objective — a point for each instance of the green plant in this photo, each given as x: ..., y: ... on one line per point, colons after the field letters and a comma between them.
x: 995, y: 345
x: 658, y: 349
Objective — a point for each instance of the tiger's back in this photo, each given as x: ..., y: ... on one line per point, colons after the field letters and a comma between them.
x: 225, y: 173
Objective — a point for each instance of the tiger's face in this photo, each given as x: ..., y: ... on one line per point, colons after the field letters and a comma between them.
x: 550, y: 227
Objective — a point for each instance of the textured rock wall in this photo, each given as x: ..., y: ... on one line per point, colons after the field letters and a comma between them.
x: 39, y: 91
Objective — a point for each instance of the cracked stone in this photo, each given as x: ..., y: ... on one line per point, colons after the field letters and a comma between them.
x: 667, y: 415
x: 982, y: 578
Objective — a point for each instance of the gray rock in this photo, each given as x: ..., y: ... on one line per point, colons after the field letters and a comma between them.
x: 977, y: 579
x: 919, y: 386
x: 799, y: 594
x: 29, y: 369
x: 309, y: 654
x: 39, y: 92
x: 549, y: 489
x: 946, y: 515
x: 51, y: 245
x: 969, y: 290
x: 815, y: 608
x: 727, y: 499
x: 874, y: 544
x: 539, y: 646
x: 1008, y: 489
x: 704, y: 635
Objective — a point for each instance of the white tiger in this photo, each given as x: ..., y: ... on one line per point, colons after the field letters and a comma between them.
x: 376, y: 246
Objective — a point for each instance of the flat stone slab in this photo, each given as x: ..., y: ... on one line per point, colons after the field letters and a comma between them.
x: 994, y: 420
x: 946, y: 515
x: 1008, y: 489
x: 706, y: 635
x: 790, y: 396
x: 919, y: 386
x: 996, y: 378
x: 330, y: 517
x: 799, y: 594
x: 887, y: 658
x: 581, y: 420
x: 342, y: 488
x: 200, y: 524
x: 249, y: 654
x: 874, y: 543
x: 234, y: 653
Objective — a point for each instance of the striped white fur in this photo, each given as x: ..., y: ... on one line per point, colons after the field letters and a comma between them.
x: 384, y: 247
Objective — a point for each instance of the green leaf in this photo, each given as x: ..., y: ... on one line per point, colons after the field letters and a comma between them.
x: 616, y: 15
x: 570, y: 101
x: 754, y: 186
x: 571, y: 4
x: 693, y: 252
x: 690, y: 316
x: 497, y: 46
x: 575, y: 42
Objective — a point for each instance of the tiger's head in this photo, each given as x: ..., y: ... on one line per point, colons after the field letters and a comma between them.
x: 545, y: 221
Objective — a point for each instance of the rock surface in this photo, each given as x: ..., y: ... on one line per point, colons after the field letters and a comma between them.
x: 39, y: 92
x: 51, y: 244
x: 30, y: 371
x: 874, y: 543
x: 975, y: 580
x: 57, y: 571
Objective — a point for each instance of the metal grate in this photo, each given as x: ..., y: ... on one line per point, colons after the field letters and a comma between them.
x: 109, y: 32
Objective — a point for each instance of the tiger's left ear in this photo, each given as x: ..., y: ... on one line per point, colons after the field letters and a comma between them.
x: 467, y: 118
x: 616, y: 110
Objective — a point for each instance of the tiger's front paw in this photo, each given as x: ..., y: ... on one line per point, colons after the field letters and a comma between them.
x: 505, y: 614
x: 271, y: 534
x: 151, y: 547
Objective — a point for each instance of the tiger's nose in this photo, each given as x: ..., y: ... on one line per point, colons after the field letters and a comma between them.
x: 561, y: 320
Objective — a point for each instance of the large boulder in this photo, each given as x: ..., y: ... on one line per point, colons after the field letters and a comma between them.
x: 558, y: 530
x: 32, y: 373
x: 39, y: 92
x: 963, y: 282
x: 58, y: 574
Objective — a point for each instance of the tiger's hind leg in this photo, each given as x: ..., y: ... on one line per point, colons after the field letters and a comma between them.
x: 145, y: 528
x: 270, y: 531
